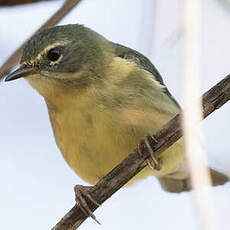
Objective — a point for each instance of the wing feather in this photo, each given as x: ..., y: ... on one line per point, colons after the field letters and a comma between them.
x: 143, y: 63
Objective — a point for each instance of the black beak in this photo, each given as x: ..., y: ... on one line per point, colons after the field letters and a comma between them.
x: 21, y: 72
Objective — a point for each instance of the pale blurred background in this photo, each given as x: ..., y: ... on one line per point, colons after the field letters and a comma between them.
x: 37, y: 184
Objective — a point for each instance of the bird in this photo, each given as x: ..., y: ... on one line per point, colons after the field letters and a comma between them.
x: 103, y: 98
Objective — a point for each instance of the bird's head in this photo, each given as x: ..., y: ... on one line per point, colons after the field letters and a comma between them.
x: 70, y: 55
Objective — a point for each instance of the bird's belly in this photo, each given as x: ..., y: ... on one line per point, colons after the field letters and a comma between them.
x: 92, y: 149
x: 92, y: 153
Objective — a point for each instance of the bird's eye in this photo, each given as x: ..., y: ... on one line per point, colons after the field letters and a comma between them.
x: 54, y: 54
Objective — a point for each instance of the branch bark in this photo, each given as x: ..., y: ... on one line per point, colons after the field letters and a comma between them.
x: 212, y: 100
x: 14, y: 59
x: 17, y: 2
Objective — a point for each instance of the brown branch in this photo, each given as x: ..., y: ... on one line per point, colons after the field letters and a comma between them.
x: 120, y: 175
x: 61, y: 13
x: 17, y: 2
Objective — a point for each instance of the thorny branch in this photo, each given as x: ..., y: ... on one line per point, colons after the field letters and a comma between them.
x: 212, y: 100
x: 13, y: 60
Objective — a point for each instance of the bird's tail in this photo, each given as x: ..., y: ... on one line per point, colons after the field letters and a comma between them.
x: 171, y: 184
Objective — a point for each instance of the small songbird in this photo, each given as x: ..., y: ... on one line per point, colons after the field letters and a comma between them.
x: 103, y: 99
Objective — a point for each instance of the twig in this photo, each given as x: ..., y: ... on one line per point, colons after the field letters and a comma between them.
x: 194, y: 144
x: 120, y: 175
x: 13, y: 60
x: 17, y: 2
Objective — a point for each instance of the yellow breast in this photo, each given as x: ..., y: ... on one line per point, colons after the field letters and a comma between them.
x: 92, y: 141
x: 95, y: 133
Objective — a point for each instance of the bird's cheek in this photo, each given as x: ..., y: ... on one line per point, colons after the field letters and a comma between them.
x: 54, y: 75
x: 45, y: 73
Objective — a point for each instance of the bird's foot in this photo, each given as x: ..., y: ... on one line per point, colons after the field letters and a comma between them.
x: 81, y: 192
x: 153, y: 162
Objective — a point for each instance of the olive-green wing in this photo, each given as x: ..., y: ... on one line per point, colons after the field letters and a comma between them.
x: 143, y: 63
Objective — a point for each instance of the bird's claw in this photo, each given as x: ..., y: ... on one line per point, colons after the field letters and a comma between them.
x: 153, y: 162
x: 81, y: 192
